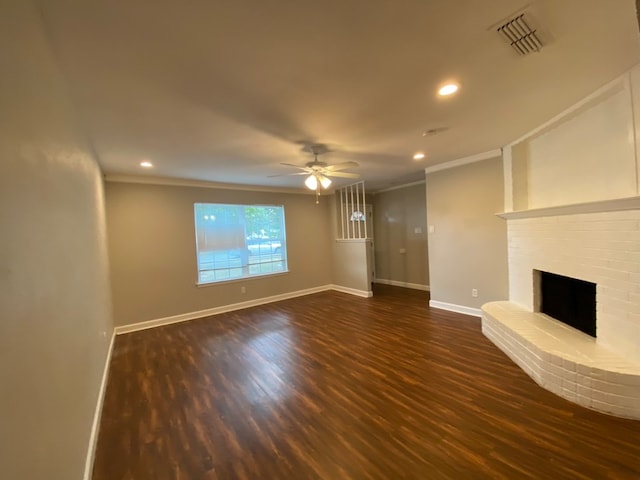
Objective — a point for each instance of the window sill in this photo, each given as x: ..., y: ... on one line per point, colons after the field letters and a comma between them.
x: 237, y: 280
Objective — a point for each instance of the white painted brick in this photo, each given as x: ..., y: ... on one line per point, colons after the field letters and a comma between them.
x: 584, y: 400
x: 570, y: 395
x: 552, y: 379
x: 631, y: 391
x: 625, y: 379
x: 584, y: 381
x: 584, y: 391
x: 556, y: 360
x: 570, y: 377
x: 607, y: 274
x: 569, y: 367
x: 566, y: 362
x: 554, y: 387
x: 554, y: 369
x: 625, y: 287
x: 583, y: 370
x: 604, y: 407
x: 615, y: 400
x: 634, y: 298
x: 569, y: 384
x: 600, y: 396
x: 632, y: 267
x: 614, y: 293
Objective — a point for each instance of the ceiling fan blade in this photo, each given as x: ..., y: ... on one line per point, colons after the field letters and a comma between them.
x: 287, y: 174
x: 341, y: 166
x: 301, y: 167
x: 341, y: 174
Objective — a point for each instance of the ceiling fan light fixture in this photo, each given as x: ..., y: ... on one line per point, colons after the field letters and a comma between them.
x: 325, y: 182
x: 318, y: 174
x: 448, y: 89
x: 311, y: 182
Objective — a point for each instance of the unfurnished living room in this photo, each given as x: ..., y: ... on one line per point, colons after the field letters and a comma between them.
x: 319, y: 240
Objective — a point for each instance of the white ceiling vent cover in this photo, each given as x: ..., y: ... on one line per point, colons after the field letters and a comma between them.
x: 520, y: 35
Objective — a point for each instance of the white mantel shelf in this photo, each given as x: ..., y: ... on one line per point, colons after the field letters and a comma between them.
x: 618, y: 204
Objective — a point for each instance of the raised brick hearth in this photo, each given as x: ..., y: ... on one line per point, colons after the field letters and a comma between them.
x: 602, y: 247
x: 564, y: 360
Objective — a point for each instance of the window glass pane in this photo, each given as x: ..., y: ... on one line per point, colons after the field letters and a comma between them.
x: 239, y: 241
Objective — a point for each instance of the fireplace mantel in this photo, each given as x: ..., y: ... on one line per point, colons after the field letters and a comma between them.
x: 618, y: 204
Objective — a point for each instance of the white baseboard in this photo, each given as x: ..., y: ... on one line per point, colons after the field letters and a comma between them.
x: 97, y: 415
x: 396, y: 283
x: 352, y: 291
x: 452, y: 307
x: 183, y: 317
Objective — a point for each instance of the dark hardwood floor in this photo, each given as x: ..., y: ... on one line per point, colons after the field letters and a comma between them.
x: 331, y: 386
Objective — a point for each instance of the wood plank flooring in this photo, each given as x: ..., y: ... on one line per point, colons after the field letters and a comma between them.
x: 331, y: 386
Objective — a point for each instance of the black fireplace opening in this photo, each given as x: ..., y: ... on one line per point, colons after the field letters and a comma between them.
x: 569, y: 300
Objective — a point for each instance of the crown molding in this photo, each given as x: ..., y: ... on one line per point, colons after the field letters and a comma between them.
x: 497, y: 152
x: 181, y: 182
x: 614, y: 86
x: 398, y: 187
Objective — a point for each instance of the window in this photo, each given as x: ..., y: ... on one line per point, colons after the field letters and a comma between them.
x: 239, y: 241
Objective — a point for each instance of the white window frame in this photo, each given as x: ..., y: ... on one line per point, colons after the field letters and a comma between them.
x: 236, y: 253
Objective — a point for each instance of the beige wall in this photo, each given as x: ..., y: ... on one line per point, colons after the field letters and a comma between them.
x: 350, y: 265
x: 55, y: 324
x: 468, y: 248
x: 350, y: 259
x: 400, y: 222
x: 153, y: 256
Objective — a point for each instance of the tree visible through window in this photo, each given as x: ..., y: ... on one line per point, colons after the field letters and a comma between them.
x: 239, y: 241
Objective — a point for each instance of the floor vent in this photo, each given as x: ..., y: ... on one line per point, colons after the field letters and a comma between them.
x: 520, y: 35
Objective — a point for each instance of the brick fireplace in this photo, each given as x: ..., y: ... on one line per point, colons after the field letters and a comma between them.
x: 600, y: 247
x: 603, y: 248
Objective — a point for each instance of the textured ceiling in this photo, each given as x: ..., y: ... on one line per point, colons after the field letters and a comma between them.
x: 225, y: 91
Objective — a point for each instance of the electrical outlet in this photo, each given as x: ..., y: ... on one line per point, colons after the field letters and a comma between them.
x: 243, y: 289
x: 432, y: 229
x: 474, y: 292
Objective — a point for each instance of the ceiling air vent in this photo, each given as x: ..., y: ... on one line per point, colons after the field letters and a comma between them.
x: 434, y: 131
x: 520, y: 35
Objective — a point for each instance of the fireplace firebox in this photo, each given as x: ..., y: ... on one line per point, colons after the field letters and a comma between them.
x: 567, y: 299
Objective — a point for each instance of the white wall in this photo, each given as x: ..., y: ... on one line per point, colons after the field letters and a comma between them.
x: 589, y: 157
x: 586, y: 154
x: 55, y: 322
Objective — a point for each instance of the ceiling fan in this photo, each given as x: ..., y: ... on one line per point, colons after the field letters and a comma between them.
x: 317, y: 172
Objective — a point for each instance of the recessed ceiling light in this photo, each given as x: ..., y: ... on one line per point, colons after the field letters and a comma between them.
x: 448, y: 89
x: 146, y: 164
x: 418, y: 156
